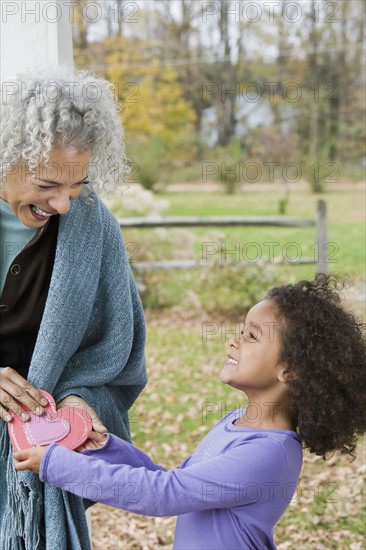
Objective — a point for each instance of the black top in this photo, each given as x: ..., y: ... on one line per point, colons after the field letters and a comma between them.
x: 24, y: 297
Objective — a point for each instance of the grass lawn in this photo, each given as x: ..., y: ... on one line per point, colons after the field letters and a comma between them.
x: 345, y: 253
x: 346, y: 224
x: 346, y: 221
x: 181, y: 403
x: 186, y: 351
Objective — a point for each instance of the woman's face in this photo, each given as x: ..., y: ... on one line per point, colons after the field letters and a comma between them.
x: 36, y: 196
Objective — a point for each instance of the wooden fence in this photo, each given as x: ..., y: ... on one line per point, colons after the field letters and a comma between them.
x: 320, y: 224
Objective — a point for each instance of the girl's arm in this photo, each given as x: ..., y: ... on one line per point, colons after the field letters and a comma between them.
x: 117, y: 451
x: 107, y: 447
x: 223, y: 481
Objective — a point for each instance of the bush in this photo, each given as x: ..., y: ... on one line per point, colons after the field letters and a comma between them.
x: 319, y: 170
x: 227, y: 289
x: 167, y: 289
x: 229, y: 166
x: 147, y: 159
x: 136, y: 201
x: 232, y: 289
x: 224, y: 290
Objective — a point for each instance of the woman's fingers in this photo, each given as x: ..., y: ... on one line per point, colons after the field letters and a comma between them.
x: 15, y: 392
x: 23, y: 390
x: 8, y: 403
x: 4, y: 414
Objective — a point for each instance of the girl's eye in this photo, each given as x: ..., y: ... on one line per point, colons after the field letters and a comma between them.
x: 248, y: 336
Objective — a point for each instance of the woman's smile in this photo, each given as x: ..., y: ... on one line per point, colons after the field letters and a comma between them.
x: 39, y: 214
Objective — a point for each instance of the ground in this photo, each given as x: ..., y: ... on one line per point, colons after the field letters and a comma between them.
x: 327, y: 512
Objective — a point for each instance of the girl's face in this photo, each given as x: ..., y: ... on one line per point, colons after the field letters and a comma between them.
x: 36, y: 196
x: 253, y: 358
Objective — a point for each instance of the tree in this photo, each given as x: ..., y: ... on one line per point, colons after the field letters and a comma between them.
x: 176, y: 47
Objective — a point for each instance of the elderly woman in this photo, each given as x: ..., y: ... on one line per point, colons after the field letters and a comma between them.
x: 71, y: 318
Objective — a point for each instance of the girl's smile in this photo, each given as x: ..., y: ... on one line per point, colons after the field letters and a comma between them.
x: 254, y: 357
x: 231, y: 361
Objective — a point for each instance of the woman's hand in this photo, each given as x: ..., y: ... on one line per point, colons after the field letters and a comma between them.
x: 29, y: 459
x: 15, y: 391
x: 76, y: 401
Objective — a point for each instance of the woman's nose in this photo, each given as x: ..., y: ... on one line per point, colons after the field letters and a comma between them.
x: 61, y: 203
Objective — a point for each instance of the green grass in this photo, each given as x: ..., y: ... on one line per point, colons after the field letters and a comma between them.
x: 184, y: 398
x: 346, y: 221
x: 348, y: 171
x: 346, y: 238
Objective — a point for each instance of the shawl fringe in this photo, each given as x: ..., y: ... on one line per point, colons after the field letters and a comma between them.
x: 22, y: 518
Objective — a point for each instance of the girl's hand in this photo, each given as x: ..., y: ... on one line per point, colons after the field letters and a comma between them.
x: 76, y: 401
x: 15, y: 391
x: 29, y: 459
x: 95, y: 441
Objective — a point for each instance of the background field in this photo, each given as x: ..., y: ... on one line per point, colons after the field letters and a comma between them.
x: 186, y: 350
x: 346, y: 218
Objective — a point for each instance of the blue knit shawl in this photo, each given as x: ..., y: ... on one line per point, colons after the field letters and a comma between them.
x: 90, y: 343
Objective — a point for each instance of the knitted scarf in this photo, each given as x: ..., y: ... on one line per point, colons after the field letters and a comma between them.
x: 90, y: 343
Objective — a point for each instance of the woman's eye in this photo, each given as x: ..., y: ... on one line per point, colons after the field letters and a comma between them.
x: 44, y: 187
x: 77, y: 185
x: 252, y: 337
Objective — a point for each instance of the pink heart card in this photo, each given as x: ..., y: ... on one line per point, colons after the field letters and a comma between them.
x: 69, y: 426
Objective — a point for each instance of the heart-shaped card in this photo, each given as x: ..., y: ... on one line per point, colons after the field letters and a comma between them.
x: 68, y: 426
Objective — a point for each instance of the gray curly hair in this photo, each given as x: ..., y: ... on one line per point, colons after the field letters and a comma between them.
x: 60, y: 106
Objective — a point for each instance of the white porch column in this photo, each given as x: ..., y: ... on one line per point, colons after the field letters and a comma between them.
x: 34, y: 32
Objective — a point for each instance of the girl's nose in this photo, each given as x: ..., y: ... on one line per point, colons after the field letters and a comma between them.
x: 233, y: 342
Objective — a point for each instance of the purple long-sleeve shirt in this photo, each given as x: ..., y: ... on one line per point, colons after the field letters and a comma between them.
x: 228, y: 495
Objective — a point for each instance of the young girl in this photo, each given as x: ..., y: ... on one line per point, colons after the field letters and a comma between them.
x: 300, y: 360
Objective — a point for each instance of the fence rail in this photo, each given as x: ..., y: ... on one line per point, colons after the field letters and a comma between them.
x: 218, y: 221
x: 320, y: 224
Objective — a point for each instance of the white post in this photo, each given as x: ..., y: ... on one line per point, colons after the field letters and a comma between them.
x: 321, y: 231
x: 32, y: 33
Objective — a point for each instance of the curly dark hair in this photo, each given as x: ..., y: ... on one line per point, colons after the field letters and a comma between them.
x: 324, y: 348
